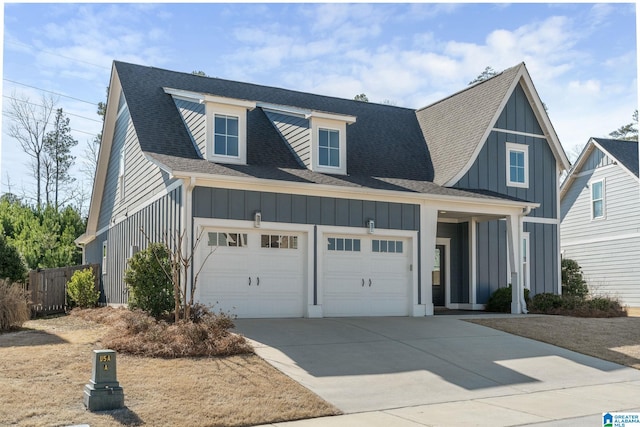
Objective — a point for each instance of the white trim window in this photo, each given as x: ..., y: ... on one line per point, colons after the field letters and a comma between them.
x: 226, y: 140
x: 597, y: 199
x: 517, y: 165
x: 329, y: 147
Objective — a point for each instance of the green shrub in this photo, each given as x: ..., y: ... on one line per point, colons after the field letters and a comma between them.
x: 81, y: 288
x: 573, y: 284
x: 500, y: 300
x: 12, y: 265
x: 14, y: 305
x: 543, y: 303
x: 150, y: 289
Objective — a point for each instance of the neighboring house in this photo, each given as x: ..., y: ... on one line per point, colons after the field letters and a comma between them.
x: 600, y: 203
x: 320, y: 206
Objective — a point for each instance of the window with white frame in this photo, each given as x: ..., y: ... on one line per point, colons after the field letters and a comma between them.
x: 329, y: 147
x: 225, y: 135
x: 341, y: 244
x: 597, y: 199
x: 517, y: 165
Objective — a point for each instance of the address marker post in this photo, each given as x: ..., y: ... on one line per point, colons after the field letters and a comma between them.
x: 103, y: 393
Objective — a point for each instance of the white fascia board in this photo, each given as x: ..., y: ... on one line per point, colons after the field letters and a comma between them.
x: 577, y: 166
x: 542, y: 116
x: 452, y: 203
x: 159, y: 164
x: 203, y: 97
x: 306, y: 113
x: 104, y: 152
x: 487, y: 131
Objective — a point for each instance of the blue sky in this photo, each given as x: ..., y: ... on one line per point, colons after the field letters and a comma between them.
x: 582, y: 57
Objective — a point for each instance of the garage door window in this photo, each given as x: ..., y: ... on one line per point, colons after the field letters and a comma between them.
x: 346, y: 245
x: 392, y: 246
x: 238, y: 240
x: 279, y: 241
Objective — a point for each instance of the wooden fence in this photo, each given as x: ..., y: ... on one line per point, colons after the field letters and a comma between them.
x: 48, y: 288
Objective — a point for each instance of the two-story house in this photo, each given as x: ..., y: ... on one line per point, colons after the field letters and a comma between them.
x: 601, y: 219
x: 320, y: 206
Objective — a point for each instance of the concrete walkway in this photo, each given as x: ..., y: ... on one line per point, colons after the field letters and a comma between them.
x: 440, y: 371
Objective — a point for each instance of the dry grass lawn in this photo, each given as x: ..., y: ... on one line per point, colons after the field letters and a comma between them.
x: 614, y: 339
x: 43, y: 370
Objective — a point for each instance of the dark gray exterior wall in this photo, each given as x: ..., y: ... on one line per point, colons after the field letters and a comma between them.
x: 160, y: 218
x: 301, y: 209
x: 492, y: 258
x: 489, y: 169
x: 459, y: 259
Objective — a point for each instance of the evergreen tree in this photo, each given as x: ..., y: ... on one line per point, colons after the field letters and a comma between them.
x: 57, y: 146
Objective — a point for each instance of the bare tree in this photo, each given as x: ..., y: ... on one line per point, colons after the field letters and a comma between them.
x: 29, y: 127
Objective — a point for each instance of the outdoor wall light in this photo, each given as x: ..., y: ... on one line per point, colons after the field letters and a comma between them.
x: 372, y: 226
x: 257, y: 219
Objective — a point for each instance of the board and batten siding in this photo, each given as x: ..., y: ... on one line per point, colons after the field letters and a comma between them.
x: 458, y: 259
x: 492, y: 263
x: 607, y: 249
x: 489, y: 170
x: 301, y: 209
x: 193, y: 116
x: 142, y: 180
x: 159, y: 219
x: 295, y: 131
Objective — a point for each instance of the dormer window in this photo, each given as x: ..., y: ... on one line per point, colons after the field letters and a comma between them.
x: 225, y: 123
x: 329, y: 147
x: 225, y: 135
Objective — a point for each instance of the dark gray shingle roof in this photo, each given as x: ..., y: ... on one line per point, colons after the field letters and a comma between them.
x: 454, y: 126
x: 625, y: 152
x: 386, y: 148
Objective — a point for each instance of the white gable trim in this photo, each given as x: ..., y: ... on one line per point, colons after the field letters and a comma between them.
x: 617, y: 162
x: 487, y: 132
x: 203, y: 98
x: 522, y: 77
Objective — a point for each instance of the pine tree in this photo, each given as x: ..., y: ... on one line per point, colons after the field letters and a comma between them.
x: 57, y: 146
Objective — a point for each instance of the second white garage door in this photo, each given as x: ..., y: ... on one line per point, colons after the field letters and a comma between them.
x: 253, y: 273
x: 366, y: 276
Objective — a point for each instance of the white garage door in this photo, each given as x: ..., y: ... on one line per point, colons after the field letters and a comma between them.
x: 366, y: 275
x: 253, y: 273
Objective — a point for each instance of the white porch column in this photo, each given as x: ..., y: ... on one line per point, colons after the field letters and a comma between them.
x: 428, y: 230
x: 514, y: 237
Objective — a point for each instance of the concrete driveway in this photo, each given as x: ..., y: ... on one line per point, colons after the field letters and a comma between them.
x: 440, y: 371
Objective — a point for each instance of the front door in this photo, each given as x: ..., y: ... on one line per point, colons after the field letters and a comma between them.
x: 438, y: 277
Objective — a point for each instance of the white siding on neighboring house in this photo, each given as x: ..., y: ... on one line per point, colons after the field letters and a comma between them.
x: 607, y: 249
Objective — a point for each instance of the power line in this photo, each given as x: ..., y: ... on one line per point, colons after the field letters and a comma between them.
x: 56, y: 54
x: 39, y: 105
x: 50, y: 91
x: 42, y: 121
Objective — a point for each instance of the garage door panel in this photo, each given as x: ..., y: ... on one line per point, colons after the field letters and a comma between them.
x: 251, y: 280
x: 382, y: 265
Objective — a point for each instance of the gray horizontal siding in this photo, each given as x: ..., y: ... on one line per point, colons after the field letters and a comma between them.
x: 459, y: 259
x: 296, y: 133
x: 611, y: 268
x: 193, y: 116
x: 158, y: 220
x: 142, y: 179
x: 302, y: 209
x: 622, y: 199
